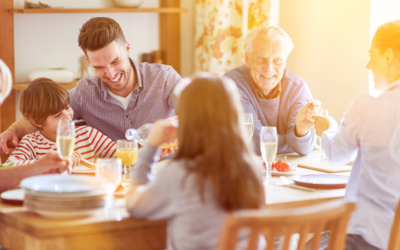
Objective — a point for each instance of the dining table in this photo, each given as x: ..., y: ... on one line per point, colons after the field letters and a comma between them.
x: 113, y: 228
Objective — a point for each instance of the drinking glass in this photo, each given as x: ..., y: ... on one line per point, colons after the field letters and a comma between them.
x: 322, y: 156
x: 127, y: 151
x: 269, y: 147
x: 65, y: 139
x: 109, y: 171
x: 247, y: 120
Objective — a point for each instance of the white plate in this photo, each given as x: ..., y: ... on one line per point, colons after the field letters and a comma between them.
x: 61, y: 184
x: 322, y: 180
x: 67, y: 215
x: 291, y: 172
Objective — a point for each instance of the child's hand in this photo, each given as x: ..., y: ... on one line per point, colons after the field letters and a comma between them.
x: 76, y: 159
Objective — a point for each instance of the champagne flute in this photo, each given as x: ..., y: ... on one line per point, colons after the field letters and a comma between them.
x: 65, y: 139
x: 322, y: 156
x: 269, y: 148
x: 247, y: 120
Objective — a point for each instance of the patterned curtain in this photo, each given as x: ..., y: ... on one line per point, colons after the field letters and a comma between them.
x: 220, y: 26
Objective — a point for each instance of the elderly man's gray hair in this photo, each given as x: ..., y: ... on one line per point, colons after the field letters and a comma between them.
x: 269, y: 32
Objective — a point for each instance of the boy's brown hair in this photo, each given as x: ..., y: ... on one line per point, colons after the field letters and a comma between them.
x: 99, y: 32
x: 43, y: 98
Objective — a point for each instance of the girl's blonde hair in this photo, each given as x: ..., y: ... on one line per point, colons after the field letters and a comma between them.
x: 210, y: 130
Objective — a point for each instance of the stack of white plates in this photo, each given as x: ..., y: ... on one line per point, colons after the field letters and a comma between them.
x: 64, y: 196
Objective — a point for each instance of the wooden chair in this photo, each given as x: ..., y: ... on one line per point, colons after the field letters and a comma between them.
x: 394, y: 240
x: 332, y: 215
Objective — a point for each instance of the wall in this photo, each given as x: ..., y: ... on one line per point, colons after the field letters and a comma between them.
x: 331, y: 41
x: 187, y: 38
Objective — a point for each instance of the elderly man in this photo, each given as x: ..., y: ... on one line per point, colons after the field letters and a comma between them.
x: 272, y: 93
x: 123, y: 94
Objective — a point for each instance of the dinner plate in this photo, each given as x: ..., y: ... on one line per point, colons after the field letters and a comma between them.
x: 62, y: 185
x: 324, y: 181
x: 15, y: 196
x: 278, y: 173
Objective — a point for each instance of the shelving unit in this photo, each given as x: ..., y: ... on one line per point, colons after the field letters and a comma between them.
x: 169, y: 30
x: 23, y: 85
x: 107, y: 10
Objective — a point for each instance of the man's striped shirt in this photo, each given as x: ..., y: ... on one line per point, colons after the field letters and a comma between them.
x: 89, y: 142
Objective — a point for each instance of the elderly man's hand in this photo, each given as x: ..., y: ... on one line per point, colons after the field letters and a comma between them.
x: 305, y: 118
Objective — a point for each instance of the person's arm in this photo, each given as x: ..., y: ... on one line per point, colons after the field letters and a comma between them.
x: 301, y: 141
x: 341, y: 144
x: 150, y: 198
x: 16, y: 131
x: 172, y: 79
x: 23, y: 154
x: 10, y: 177
x: 248, y: 107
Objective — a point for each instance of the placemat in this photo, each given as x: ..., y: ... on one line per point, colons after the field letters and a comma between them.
x: 325, y: 167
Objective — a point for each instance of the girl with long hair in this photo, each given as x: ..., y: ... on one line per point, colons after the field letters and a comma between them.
x: 214, y: 171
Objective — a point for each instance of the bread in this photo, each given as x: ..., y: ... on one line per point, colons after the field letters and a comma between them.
x: 88, y: 164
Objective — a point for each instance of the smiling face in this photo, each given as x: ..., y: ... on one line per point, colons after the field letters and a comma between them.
x: 378, y: 65
x: 111, y: 64
x: 267, y: 62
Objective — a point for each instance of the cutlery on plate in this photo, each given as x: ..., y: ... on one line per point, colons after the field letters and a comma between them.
x: 287, y: 183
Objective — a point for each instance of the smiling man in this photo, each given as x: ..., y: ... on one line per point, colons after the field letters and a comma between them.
x: 272, y: 93
x: 123, y: 94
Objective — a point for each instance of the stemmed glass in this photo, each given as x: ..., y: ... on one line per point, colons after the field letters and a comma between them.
x: 65, y: 139
x: 269, y: 147
x: 109, y: 171
x: 127, y: 151
x: 322, y: 156
x: 247, y: 120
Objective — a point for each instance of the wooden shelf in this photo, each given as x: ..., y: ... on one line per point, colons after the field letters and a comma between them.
x: 23, y: 85
x: 105, y: 10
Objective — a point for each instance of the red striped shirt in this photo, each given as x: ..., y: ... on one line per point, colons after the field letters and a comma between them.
x: 89, y: 142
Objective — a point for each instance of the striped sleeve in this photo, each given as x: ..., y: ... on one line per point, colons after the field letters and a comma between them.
x: 104, y: 147
x: 24, y: 153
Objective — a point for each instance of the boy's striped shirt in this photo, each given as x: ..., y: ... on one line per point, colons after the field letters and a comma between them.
x: 89, y: 142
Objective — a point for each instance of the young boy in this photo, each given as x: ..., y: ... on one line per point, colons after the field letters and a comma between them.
x: 44, y: 103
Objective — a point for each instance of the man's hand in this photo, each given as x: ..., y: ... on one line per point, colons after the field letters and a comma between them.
x: 305, y: 118
x: 76, y: 159
x: 323, y: 123
x: 51, y: 163
x: 7, y: 137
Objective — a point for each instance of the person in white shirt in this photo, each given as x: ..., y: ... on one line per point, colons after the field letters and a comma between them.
x: 370, y: 130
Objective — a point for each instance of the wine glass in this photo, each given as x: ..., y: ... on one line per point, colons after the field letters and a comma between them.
x: 269, y: 148
x: 247, y: 120
x: 127, y: 151
x: 65, y: 139
x: 109, y: 171
x: 322, y: 156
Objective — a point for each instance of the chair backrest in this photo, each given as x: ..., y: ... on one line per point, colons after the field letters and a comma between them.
x: 394, y: 241
x: 332, y: 215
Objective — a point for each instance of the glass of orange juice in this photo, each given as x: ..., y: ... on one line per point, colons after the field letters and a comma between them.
x: 127, y: 151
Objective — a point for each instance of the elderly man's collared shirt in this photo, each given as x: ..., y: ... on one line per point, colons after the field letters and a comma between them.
x: 153, y: 99
x: 274, y: 93
x: 371, y: 130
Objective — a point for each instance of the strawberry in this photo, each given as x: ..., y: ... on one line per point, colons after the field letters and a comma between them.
x: 282, y: 165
